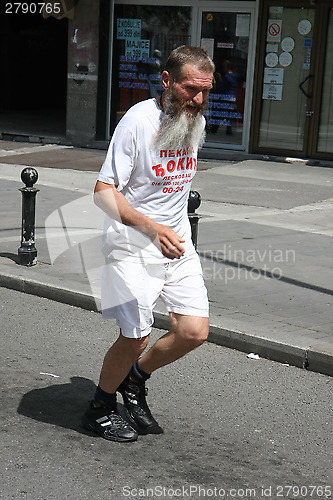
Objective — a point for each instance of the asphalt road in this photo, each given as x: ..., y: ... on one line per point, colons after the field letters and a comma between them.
x: 234, y: 427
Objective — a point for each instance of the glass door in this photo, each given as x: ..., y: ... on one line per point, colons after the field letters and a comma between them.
x: 294, y: 94
x: 287, y: 78
x: 227, y: 37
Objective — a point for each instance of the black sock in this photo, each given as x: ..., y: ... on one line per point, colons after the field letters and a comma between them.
x: 105, y: 398
x: 139, y: 373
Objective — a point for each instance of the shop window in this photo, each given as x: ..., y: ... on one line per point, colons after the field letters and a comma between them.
x: 144, y: 35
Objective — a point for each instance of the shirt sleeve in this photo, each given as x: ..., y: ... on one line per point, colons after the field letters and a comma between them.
x: 120, y: 159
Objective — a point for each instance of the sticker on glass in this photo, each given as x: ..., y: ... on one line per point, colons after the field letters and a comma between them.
x: 243, y: 44
x: 208, y: 45
x: 304, y: 27
x: 274, y: 28
x: 243, y: 25
x: 271, y: 60
x: 272, y: 47
x: 273, y: 75
x: 288, y: 44
x: 285, y: 59
x: 128, y: 28
x: 272, y: 92
x: 307, y: 58
x: 276, y: 10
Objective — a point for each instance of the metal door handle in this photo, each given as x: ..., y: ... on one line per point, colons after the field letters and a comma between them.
x: 307, y: 94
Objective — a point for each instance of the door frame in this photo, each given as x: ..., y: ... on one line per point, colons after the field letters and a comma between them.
x: 321, y: 32
x: 311, y: 128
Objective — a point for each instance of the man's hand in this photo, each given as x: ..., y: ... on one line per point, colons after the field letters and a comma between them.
x: 170, y: 242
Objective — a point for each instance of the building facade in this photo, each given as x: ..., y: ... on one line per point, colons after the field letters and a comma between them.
x: 273, y: 85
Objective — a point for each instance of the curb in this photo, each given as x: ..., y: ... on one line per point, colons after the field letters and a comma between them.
x: 269, y: 349
x: 52, y: 292
x: 305, y: 358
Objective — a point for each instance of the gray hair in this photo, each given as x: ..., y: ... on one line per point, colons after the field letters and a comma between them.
x: 186, y: 54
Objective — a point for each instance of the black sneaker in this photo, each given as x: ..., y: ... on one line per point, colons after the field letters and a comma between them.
x: 108, y: 423
x: 134, y: 394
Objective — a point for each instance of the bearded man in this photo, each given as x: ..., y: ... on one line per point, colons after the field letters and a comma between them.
x: 143, y: 188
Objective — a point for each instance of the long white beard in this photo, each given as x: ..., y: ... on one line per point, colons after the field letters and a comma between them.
x: 182, y: 130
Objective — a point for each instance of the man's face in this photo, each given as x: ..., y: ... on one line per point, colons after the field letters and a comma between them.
x: 184, y: 103
x: 190, y: 93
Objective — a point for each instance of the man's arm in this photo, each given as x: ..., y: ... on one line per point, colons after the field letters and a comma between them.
x: 114, y: 203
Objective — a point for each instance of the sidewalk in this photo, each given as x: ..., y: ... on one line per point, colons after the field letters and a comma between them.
x: 265, y: 242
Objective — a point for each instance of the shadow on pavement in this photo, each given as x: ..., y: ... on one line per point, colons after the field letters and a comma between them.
x: 62, y: 405
x: 11, y: 256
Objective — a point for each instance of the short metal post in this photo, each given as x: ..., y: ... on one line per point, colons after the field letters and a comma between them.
x: 27, y: 252
x: 194, y: 201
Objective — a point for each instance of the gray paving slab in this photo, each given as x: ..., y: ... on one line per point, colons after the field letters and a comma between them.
x: 265, y: 242
x: 279, y: 190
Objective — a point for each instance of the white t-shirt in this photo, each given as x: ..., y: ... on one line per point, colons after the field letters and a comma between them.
x: 156, y: 183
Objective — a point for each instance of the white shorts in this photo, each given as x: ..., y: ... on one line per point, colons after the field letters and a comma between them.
x: 130, y: 291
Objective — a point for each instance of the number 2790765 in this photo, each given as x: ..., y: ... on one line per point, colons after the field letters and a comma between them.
x: 32, y: 8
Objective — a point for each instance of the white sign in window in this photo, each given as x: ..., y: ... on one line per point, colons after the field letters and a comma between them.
x: 273, y: 75
x: 272, y: 92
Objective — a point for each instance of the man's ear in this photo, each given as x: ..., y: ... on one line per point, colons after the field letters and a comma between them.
x: 166, y: 80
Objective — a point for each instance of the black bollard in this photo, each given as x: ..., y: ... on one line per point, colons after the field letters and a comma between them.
x: 194, y: 201
x: 27, y: 252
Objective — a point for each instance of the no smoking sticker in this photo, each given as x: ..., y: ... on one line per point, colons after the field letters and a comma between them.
x: 274, y: 30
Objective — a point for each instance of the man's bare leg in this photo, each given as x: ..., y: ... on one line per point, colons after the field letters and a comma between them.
x: 187, y: 333
x: 102, y: 414
x: 119, y: 360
